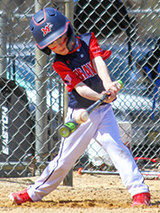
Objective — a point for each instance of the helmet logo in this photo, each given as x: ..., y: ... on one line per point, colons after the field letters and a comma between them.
x: 47, y: 29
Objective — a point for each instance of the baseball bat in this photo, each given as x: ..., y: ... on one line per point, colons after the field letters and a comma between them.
x: 68, y: 128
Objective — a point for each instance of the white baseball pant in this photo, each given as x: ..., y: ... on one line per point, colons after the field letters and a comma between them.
x: 103, y: 127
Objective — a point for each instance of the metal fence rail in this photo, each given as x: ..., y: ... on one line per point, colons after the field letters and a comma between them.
x: 32, y: 102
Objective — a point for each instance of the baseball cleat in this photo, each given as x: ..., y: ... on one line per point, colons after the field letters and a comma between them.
x: 20, y: 197
x: 141, y: 199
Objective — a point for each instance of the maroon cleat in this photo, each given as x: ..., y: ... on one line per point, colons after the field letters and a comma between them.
x: 20, y: 197
x: 141, y: 199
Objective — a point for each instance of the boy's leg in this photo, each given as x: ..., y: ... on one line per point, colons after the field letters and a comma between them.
x: 70, y: 150
x: 108, y: 136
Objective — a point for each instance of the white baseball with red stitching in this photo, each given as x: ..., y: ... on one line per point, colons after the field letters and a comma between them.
x: 81, y: 116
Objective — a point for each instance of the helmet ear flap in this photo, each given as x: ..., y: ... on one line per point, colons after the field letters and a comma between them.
x: 46, y: 50
x: 72, y: 38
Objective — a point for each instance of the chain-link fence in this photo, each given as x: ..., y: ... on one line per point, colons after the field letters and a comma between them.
x: 31, y: 93
x: 32, y: 101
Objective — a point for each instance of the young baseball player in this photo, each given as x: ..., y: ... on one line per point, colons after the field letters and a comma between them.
x: 79, y: 60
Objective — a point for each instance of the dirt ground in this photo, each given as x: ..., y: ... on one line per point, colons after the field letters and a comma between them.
x: 89, y: 194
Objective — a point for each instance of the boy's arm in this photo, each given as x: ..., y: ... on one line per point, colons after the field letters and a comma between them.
x: 103, y: 72
x: 111, y: 88
x: 86, y: 92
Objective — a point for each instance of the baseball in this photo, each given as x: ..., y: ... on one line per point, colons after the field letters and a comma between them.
x: 81, y: 116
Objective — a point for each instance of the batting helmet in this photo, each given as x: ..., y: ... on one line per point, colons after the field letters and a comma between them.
x: 48, y: 25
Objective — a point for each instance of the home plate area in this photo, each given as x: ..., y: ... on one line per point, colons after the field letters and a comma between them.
x: 90, y: 193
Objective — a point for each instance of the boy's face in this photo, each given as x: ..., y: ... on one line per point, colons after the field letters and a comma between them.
x: 59, y: 45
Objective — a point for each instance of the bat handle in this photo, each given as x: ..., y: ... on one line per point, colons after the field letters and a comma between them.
x: 97, y: 103
x: 105, y: 96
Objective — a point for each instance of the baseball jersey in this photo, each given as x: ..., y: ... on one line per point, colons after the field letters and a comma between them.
x: 76, y: 67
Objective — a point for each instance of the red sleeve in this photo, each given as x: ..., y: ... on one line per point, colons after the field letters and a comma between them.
x: 95, y: 49
x: 69, y: 78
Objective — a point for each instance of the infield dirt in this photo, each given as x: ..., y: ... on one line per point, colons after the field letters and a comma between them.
x: 89, y: 194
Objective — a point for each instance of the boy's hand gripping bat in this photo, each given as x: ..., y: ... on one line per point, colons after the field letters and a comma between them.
x: 82, y: 115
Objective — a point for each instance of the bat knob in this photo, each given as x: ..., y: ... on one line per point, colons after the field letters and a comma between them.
x: 122, y: 85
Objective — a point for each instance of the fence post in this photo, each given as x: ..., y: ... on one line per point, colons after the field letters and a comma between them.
x: 68, y: 181
x: 41, y: 88
x: 3, y: 43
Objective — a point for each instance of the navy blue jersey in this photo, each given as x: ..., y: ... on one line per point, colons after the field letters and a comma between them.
x: 76, y: 67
